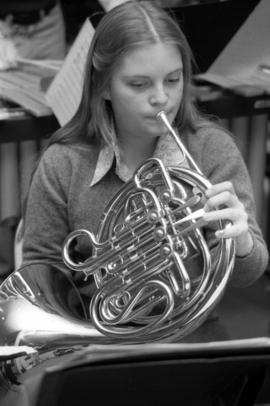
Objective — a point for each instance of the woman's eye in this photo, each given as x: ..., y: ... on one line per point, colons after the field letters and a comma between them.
x: 173, y: 80
x: 138, y: 84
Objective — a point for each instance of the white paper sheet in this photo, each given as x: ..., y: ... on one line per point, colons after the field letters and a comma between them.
x: 64, y: 93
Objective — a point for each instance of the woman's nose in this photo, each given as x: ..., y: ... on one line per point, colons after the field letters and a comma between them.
x: 159, y: 96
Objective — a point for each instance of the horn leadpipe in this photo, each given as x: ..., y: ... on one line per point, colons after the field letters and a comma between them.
x: 163, y: 118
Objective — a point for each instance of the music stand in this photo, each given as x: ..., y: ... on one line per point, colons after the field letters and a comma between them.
x: 159, y: 374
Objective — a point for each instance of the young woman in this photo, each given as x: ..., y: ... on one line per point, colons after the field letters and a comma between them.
x: 139, y: 64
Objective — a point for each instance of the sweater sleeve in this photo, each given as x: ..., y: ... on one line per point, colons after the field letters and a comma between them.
x: 222, y: 161
x: 46, y: 217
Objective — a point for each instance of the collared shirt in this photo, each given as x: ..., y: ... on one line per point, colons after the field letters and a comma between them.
x: 166, y: 149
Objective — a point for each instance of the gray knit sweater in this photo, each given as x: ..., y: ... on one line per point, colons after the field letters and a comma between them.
x: 61, y: 199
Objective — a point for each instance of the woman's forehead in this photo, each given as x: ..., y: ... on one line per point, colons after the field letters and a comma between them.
x: 149, y: 57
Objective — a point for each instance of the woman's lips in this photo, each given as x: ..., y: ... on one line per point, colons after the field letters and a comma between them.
x: 154, y: 116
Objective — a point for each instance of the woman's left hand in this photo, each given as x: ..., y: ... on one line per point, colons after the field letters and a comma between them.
x: 223, y: 204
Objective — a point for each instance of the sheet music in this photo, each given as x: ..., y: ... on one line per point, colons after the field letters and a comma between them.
x: 23, y: 86
x: 64, y: 93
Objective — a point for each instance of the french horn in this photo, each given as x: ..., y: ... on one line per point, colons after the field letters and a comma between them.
x: 144, y: 253
x: 157, y: 267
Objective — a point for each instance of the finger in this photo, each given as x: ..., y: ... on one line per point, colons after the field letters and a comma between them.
x: 226, y: 198
x: 237, y: 218
x: 219, y: 188
x: 232, y: 230
x: 231, y: 214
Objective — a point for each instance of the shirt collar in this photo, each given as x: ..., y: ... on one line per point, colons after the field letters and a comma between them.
x: 166, y: 149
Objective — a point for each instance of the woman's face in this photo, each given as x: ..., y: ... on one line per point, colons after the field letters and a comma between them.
x: 148, y: 79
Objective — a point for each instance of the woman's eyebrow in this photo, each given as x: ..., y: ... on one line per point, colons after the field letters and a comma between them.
x: 135, y: 75
x: 142, y: 76
x: 178, y: 70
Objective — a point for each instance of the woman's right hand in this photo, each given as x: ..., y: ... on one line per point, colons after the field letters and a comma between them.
x: 223, y: 204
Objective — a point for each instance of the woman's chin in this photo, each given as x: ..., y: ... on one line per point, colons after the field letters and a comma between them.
x: 156, y: 130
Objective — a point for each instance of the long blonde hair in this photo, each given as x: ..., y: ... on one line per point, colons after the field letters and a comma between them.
x: 129, y: 25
